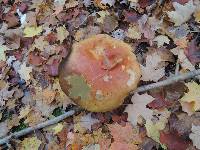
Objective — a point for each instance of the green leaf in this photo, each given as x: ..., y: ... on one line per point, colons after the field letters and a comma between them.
x: 79, y: 88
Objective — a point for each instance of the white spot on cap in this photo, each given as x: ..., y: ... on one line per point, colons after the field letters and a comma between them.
x: 131, y: 80
x: 107, y: 78
x: 99, y: 95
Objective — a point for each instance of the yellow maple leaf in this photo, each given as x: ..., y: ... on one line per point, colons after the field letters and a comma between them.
x: 32, y: 31
x: 154, y: 128
x: 2, y: 54
x: 191, y: 101
x: 57, y: 128
x: 197, y: 15
x: 30, y: 144
x: 24, y: 112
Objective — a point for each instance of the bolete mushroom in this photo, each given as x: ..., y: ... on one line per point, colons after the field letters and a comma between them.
x: 99, y: 73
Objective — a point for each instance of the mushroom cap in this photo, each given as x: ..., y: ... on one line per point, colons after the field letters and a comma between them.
x: 99, y: 73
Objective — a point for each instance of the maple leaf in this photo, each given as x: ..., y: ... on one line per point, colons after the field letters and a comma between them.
x: 56, y: 128
x: 3, y: 48
x: 138, y: 108
x: 161, y: 39
x: 197, y: 15
x: 62, y: 33
x: 87, y: 121
x: 32, y: 31
x: 185, y: 63
x: 173, y: 141
x: 125, y: 137
x: 24, y: 72
x: 5, y: 94
x: 30, y: 143
x: 151, y: 72
x: 24, y: 112
x: 126, y: 133
x: 154, y: 128
x: 193, y: 51
x: 195, y: 136
x: 182, y: 13
x: 133, y: 32
x: 191, y: 98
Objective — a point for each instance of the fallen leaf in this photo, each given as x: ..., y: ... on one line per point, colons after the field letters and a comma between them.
x: 92, y: 147
x: 185, y: 63
x: 3, y: 48
x: 87, y: 121
x: 109, y: 24
x: 154, y: 128
x: 24, y: 112
x: 4, y: 129
x: 192, y: 97
x: 152, y: 72
x: 133, y: 32
x: 138, y: 108
x: 30, y: 143
x: 197, y: 15
x: 161, y: 40
x: 62, y: 33
x: 32, y: 31
x: 125, y: 137
x: 193, y: 51
x: 11, y: 20
x: 24, y: 72
x: 173, y: 141
x: 57, y: 128
x: 108, y: 2
x: 195, y: 136
x: 182, y: 13
x: 126, y: 133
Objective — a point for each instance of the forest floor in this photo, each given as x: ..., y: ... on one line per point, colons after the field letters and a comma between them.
x: 35, y: 35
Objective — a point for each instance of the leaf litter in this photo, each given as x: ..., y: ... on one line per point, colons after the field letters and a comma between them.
x: 36, y: 35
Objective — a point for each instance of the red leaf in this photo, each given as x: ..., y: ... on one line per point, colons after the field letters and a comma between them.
x: 23, y: 7
x: 11, y: 20
x: 51, y: 38
x: 131, y: 16
x: 193, y: 52
x: 52, y: 69
x: 35, y: 59
x: 158, y: 103
x: 181, y: 1
x: 145, y: 3
x: 173, y: 141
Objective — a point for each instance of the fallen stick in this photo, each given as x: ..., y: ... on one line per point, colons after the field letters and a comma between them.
x: 168, y: 81
x: 144, y: 88
x: 39, y: 126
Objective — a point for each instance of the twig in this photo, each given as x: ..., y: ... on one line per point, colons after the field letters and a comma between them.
x: 167, y: 81
x: 39, y: 126
x: 72, y: 112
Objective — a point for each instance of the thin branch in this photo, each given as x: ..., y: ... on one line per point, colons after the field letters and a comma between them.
x: 72, y: 112
x: 39, y: 126
x: 168, y: 81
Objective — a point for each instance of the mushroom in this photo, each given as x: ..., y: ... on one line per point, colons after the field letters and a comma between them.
x: 99, y: 73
